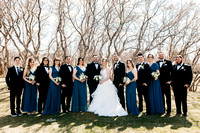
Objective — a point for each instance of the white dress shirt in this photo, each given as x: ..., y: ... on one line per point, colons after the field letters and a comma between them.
x: 70, y: 69
x: 161, y: 62
x: 46, y: 69
x: 179, y: 66
x: 16, y: 69
x: 140, y: 66
x: 116, y: 64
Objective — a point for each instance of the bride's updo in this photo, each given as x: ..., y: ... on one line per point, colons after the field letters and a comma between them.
x: 105, y: 59
x: 104, y: 62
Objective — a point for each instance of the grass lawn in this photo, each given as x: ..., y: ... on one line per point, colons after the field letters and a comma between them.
x: 88, y: 122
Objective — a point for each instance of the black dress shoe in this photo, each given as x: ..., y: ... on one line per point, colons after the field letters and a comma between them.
x: 185, y: 114
x: 168, y: 113
x: 147, y: 114
x: 64, y: 111
x: 13, y: 114
x: 19, y: 113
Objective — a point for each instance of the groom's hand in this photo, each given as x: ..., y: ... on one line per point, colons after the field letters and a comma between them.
x: 145, y: 84
x: 120, y: 85
x: 64, y: 85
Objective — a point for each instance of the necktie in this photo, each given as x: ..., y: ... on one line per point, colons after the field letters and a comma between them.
x: 18, y: 71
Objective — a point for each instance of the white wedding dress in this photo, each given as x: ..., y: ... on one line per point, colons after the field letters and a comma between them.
x: 105, y: 99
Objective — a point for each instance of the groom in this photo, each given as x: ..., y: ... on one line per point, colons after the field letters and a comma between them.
x: 144, y: 78
x: 66, y: 72
x: 92, y: 70
x: 119, y: 73
x: 15, y: 82
x: 181, y: 80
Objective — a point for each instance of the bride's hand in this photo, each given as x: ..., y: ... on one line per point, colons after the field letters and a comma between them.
x: 100, y: 82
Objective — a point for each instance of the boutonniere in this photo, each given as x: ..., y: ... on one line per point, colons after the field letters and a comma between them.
x: 142, y: 67
x: 100, y: 66
x: 21, y: 69
x: 117, y: 65
x: 164, y: 62
x: 183, y: 68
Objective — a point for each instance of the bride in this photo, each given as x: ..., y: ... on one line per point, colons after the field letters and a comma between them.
x: 105, y: 99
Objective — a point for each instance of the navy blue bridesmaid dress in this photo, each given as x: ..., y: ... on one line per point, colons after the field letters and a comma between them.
x: 29, y: 100
x: 155, y: 94
x: 52, y: 105
x: 131, y: 101
x: 79, y: 96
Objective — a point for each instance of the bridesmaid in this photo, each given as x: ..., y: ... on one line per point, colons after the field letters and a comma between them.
x: 79, y: 96
x: 29, y: 100
x: 131, y: 102
x: 52, y: 105
x: 155, y: 94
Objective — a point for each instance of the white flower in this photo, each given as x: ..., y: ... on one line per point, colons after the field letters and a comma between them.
x: 30, y: 77
x: 98, y: 77
x: 82, y: 76
x: 126, y: 80
x: 58, y: 79
x: 155, y: 74
x: 21, y: 69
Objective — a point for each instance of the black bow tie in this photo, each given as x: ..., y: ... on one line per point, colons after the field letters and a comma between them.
x: 161, y: 61
x: 46, y: 66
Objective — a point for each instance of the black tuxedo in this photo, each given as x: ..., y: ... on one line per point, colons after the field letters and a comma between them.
x: 91, y: 71
x: 42, y: 77
x: 66, y: 92
x: 165, y: 76
x: 15, y: 84
x: 119, y: 73
x: 144, y: 76
x: 181, y: 77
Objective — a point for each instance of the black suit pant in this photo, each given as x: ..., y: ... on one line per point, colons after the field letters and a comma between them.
x: 166, y: 93
x: 143, y: 91
x: 15, y: 93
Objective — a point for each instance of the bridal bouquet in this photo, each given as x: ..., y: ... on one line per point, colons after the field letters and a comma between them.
x: 82, y: 76
x: 126, y: 80
x: 155, y: 74
x: 58, y: 79
x: 98, y: 77
x: 30, y: 77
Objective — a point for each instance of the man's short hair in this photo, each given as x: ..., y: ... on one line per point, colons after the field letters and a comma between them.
x: 140, y: 54
x: 67, y: 57
x: 17, y: 57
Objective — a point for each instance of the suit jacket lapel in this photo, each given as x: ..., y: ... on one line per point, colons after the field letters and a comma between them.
x: 67, y: 67
x: 15, y: 70
x: 181, y: 66
x: 163, y: 63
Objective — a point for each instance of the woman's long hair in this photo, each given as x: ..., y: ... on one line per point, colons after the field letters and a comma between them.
x: 54, y: 64
x: 28, y: 66
x: 42, y: 64
x: 130, y: 62
x: 80, y: 58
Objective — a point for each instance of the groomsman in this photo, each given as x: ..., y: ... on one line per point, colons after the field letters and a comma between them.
x: 165, y: 79
x: 144, y: 79
x: 42, y: 81
x: 15, y: 82
x: 93, y: 69
x: 119, y: 73
x: 66, y: 72
x: 181, y: 80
